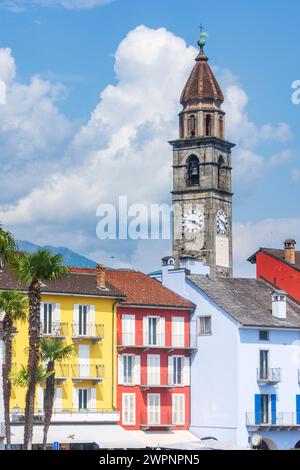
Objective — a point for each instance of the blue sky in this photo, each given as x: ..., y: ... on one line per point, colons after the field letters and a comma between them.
x: 72, y: 51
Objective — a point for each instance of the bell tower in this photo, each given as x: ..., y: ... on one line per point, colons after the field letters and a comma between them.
x: 202, y: 193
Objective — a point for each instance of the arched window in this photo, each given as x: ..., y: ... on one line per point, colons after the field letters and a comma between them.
x: 208, y: 125
x: 181, y: 126
x: 221, y: 128
x: 220, y: 164
x: 193, y: 171
x: 192, y: 125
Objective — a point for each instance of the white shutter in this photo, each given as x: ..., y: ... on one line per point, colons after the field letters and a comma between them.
x: 153, y: 408
x: 153, y: 368
x: 128, y: 409
x: 91, y: 320
x: 170, y: 369
x: 137, y: 370
x: 92, y: 399
x: 120, y: 370
x: 58, y: 399
x: 75, y: 398
x: 57, y: 313
x: 178, y: 331
x: 145, y: 331
x: 128, y: 330
x: 178, y: 409
x: 40, y: 403
x: 186, y: 371
x: 76, y: 320
x: 42, y: 315
x: 161, y: 331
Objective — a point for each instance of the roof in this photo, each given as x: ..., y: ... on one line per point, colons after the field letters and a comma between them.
x: 72, y: 283
x: 249, y: 301
x: 141, y: 289
x: 201, y: 84
x: 278, y: 254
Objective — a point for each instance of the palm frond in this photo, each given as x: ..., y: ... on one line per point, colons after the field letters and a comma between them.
x: 53, y: 350
x: 15, y: 304
x: 7, y: 244
x: 20, y: 378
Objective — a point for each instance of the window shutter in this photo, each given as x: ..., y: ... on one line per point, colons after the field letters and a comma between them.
x: 170, y: 370
x: 273, y: 409
x: 42, y: 316
x: 145, y: 331
x: 40, y: 399
x: 76, y: 319
x: 92, y: 401
x: 298, y: 409
x: 161, y: 331
x: 257, y: 409
x: 178, y: 331
x: 186, y: 370
x: 120, y: 370
x: 57, y: 313
x: 58, y: 399
x: 137, y: 370
x: 128, y: 409
x: 92, y: 320
x: 132, y: 409
x: 75, y: 398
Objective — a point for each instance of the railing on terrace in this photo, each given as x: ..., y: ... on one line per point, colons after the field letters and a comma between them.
x: 87, y: 371
x: 18, y: 414
x: 157, y: 341
x: 281, y: 419
x: 56, y: 329
x: 268, y: 375
x: 156, y: 419
x: 87, y: 330
x: 162, y: 380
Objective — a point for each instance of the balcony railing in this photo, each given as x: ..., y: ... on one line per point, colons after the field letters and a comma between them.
x: 87, y: 330
x: 162, y: 380
x: 93, y: 372
x: 56, y: 329
x: 62, y: 371
x: 2, y: 430
x: 158, y: 341
x: 268, y: 375
x: 18, y: 414
x: 299, y: 376
x: 282, y: 419
x: 156, y: 419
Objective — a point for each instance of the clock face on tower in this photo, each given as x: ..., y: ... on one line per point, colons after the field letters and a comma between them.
x: 193, y: 221
x: 222, y: 223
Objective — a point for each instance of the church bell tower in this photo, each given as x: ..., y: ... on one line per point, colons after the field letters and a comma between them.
x: 202, y: 193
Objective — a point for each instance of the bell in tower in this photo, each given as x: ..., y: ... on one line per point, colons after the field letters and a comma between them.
x: 202, y: 193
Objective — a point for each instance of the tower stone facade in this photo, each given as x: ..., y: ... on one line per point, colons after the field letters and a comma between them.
x: 202, y: 191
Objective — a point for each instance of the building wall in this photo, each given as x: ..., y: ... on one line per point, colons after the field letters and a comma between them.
x: 141, y: 394
x: 102, y: 352
x: 1, y: 395
x: 278, y: 273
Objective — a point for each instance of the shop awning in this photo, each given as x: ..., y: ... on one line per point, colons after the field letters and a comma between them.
x: 163, y: 438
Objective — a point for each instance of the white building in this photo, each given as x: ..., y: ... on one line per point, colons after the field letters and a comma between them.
x: 2, y: 429
x: 245, y: 371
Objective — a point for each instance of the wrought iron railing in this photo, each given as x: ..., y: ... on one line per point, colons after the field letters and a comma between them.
x: 268, y: 375
x: 56, y: 329
x: 156, y: 418
x: 87, y: 371
x: 283, y: 419
x: 162, y: 379
x: 87, y: 330
x: 166, y: 340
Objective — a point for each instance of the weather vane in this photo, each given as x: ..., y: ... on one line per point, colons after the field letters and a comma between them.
x: 202, y: 40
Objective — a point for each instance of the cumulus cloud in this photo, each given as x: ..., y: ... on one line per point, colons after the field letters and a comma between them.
x: 18, y: 6
x: 122, y: 149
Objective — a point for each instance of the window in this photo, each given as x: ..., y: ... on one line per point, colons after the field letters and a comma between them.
x: 128, y: 330
x: 128, y: 369
x: 152, y: 331
x: 83, y: 398
x: 83, y: 320
x: 264, y: 406
x: 263, y: 364
x: 220, y: 164
x: 47, y: 320
x: 192, y: 125
x: 128, y: 409
x: 263, y: 335
x: 153, y: 408
x: 221, y: 127
x: 178, y: 409
x: 153, y: 369
x: 208, y: 125
x: 178, y: 365
x: 178, y: 331
x: 204, y: 326
x: 193, y: 171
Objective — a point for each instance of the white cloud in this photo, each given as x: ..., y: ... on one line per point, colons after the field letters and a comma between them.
x: 281, y: 158
x: 18, y: 6
x: 296, y: 175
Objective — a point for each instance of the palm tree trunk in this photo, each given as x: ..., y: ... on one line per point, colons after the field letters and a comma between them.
x: 7, y: 337
x: 49, y: 400
x: 33, y: 359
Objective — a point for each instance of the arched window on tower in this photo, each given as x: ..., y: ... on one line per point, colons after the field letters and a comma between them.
x: 221, y: 127
x: 192, y: 125
x: 220, y: 164
x: 208, y: 125
x: 193, y: 175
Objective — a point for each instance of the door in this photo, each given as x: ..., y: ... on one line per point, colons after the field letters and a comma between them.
x: 128, y: 330
x: 83, y: 360
x: 128, y: 409
x: 177, y: 370
x: 264, y: 406
x: 152, y: 331
x: 178, y: 409
x: 264, y: 364
x: 178, y: 331
x: 83, y: 399
x: 47, y: 319
x: 153, y: 409
x: 128, y: 366
x: 83, y: 320
x: 153, y: 369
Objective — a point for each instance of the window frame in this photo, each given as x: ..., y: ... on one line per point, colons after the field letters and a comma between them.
x: 205, y: 333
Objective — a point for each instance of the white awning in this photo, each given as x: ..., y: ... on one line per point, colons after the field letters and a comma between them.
x: 163, y: 438
x: 105, y: 435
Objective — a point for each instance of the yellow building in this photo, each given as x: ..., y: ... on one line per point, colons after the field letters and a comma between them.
x: 80, y: 309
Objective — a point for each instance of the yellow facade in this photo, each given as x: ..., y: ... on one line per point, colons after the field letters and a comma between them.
x: 97, y: 374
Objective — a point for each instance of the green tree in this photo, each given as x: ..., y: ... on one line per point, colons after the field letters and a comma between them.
x: 7, y: 246
x: 52, y: 351
x: 14, y: 304
x: 34, y: 269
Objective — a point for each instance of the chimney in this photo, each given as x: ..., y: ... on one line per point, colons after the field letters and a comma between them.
x: 279, y: 304
x: 167, y: 263
x: 290, y: 251
x: 100, y: 275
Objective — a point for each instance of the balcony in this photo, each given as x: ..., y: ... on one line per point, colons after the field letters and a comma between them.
x: 93, y: 372
x: 62, y: 372
x: 166, y: 381
x: 91, y: 331
x: 54, y: 329
x: 165, y: 341
x: 275, y: 421
x: 156, y: 419
x: 268, y: 376
x: 69, y: 415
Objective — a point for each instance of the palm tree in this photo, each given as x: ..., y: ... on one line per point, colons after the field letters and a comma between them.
x: 21, y: 378
x: 52, y: 351
x: 7, y: 245
x: 14, y: 304
x: 33, y: 269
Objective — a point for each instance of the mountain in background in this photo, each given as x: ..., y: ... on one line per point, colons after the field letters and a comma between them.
x: 70, y: 257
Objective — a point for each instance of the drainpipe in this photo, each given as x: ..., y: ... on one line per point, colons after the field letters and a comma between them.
x: 113, y: 355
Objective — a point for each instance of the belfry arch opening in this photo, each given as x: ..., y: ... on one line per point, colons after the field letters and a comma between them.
x: 208, y: 125
x: 221, y: 162
x: 193, y: 173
